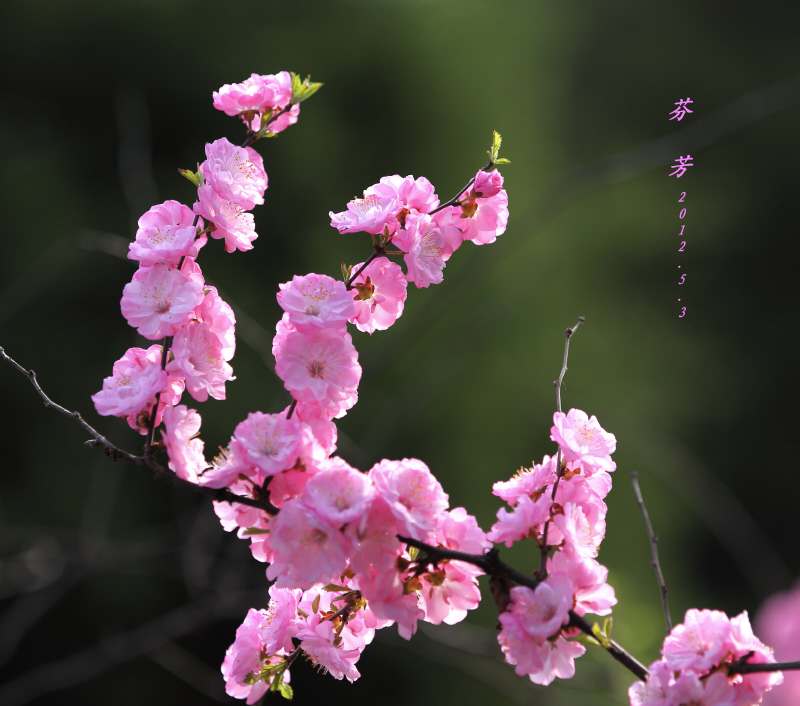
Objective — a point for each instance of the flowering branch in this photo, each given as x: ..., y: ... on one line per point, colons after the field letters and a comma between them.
x: 653, y: 548
x: 545, y: 550
x: 491, y: 564
x: 145, y: 462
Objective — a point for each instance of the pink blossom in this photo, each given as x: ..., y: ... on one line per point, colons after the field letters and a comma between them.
x: 428, y: 246
x: 220, y: 319
x: 235, y: 173
x: 543, y: 611
x: 316, y: 417
x: 230, y: 220
x: 654, y: 691
x: 166, y: 234
x: 700, y: 642
x: 481, y: 220
x: 588, y: 577
x: 255, y: 94
x: 278, y: 622
x: 753, y: 686
x: 580, y: 537
x: 227, y: 469
x: 137, y: 378
x: 267, y: 441
x: 374, y: 543
x: 450, y: 591
x: 523, y: 521
x: 711, y: 691
x: 388, y: 599
x: 379, y: 293
x: 531, y: 482
x: 558, y: 660
x: 185, y: 452
x: 458, y: 530
x: 321, y: 367
x: 287, y: 485
x: 316, y: 302
x: 245, y: 659
x: 413, y: 195
x: 317, y: 638
x: 370, y: 214
x: 778, y: 622
x: 583, y: 439
x: 287, y: 117
x: 198, y: 356
x: 307, y: 549
x: 580, y: 492
x: 487, y: 184
x: 412, y: 492
x: 159, y: 301
x: 339, y: 494
x: 543, y: 661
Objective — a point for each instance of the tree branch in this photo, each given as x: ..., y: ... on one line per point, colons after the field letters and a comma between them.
x: 746, y: 668
x: 653, y: 549
x: 491, y: 564
x: 146, y: 462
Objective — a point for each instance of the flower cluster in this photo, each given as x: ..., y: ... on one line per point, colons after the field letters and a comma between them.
x: 405, y: 212
x: 696, y: 657
x: 260, y: 101
x: 337, y: 530
x: 168, y: 297
x: 560, y: 506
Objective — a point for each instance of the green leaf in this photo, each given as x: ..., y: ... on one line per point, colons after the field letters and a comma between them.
x: 303, y: 89
x: 502, y: 160
x: 254, y: 530
x: 286, y: 691
x: 587, y: 640
x: 315, y: 603
x: 335, y: 587
x: 296, y: 84
x: 607, y: 625
x: 265, y: 118
x: 413, y: 552
x: 195, y: 177
x: 601, y: 637
x: 346, y: 270
x: 496, y: 140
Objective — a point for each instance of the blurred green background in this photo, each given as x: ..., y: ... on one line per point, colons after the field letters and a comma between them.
x: 116, y: 589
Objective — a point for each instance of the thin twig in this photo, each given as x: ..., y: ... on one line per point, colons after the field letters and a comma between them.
x: 545, y: 550
x: 491, y: 564
x: 377, y: 251
x: 557, y: 384
x: 653, y: 549
x: 147, y: 463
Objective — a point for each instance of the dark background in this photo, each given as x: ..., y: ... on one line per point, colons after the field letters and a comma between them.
x: 116, y: 589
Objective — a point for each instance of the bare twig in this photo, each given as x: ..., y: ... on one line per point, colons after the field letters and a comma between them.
x: 146, y: 462
x: 545, y: 550
x: 558, y: 383
x: 653, y: 549
x: 491, y: 564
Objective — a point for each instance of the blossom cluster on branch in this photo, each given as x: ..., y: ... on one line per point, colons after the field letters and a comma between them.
x: 349, y: 551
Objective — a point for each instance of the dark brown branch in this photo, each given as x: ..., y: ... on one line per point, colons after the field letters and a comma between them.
x: 755, y: 668
x: 545, y: 550
x: 491, y: 564
x: 146, y: 462
x: 653, y: 549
